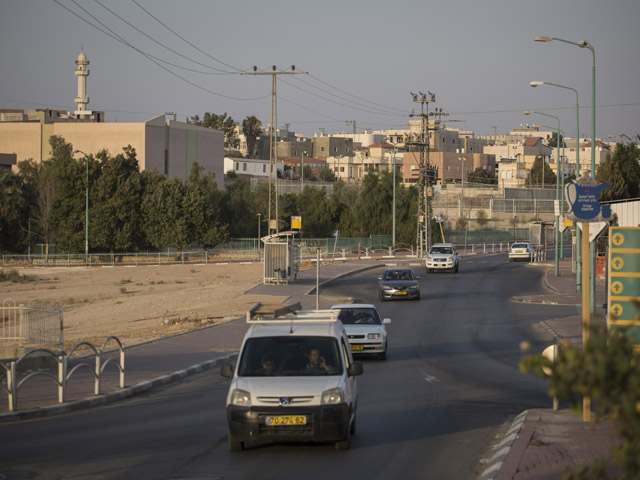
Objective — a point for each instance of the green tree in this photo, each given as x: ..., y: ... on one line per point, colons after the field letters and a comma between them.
x: 252, y: 129
x: 480, y: 175
x: 13, y: 208
x: 68, y: 211
x: 540, y: 174
x: 116, y: 196
x: 324, y: 174
x: 202, y: 208
x: 621, y: 170
x: 41, y: 190
x: 553, y: 141
x: 163, y: 222
x: 608, y: 371
x: 220, y: 122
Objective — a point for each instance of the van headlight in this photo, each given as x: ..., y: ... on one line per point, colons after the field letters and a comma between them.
x: 374, y: 336
x: 333, y: 396
x: 240, y: 398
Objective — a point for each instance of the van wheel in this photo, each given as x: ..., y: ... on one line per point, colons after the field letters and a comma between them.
x: 353, y: 425
x: 345, y: 443
x: 235, y: 445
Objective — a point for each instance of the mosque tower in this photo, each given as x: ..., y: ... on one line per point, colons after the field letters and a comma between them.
x: 82, y: 73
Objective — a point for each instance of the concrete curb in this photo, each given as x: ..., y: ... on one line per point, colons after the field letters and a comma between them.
x: 111, y: 397
x: 502, y: 449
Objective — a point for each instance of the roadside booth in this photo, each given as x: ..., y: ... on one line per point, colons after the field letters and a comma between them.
x: 281, y: 258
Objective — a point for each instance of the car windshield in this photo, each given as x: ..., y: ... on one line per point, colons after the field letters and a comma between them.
x: 398, y: 275
x: 359, y: 316
x: 519, y: 245
x: 290, y: 356
x: 442, y: 250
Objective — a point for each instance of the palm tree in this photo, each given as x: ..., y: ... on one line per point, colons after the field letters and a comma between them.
x: 252, y: 129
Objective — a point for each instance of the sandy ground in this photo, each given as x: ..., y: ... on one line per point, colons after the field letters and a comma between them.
x: 137, y: 304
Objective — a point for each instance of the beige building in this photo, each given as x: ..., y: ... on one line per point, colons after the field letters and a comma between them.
x: 451, y: 166
x: 168, y: 146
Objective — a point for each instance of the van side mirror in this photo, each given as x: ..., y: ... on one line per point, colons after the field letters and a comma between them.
x: 355, y: 369
x: 386, y: 321
x: 226, y: 370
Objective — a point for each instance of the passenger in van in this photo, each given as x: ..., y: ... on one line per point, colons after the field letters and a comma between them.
x: 317, y: 364
x: 268, y: 365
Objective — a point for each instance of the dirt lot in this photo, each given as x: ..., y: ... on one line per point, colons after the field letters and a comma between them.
x: 138, y: 304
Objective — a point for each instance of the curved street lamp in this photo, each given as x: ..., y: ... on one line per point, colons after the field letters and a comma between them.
x: 578, y: 247
x: 592, y: 245
x: 557, y: 229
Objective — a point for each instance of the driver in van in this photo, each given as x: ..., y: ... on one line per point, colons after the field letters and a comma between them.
x: 317, y: 363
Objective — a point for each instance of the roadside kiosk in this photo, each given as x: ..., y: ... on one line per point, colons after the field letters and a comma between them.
x: 281, y: 258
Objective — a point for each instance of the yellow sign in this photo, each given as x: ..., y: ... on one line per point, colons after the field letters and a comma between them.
x: 617, y: 287
x: 618, y: 239
x: 617, y: 263
x: 616, y: 309
x: 296, y: 223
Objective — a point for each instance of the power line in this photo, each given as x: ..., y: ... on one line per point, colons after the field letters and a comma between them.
x: 185, y: 40
x: 151, y: 58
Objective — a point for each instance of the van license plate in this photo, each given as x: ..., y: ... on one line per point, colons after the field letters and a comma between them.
x: 286, y: 420
x: 357, y: 347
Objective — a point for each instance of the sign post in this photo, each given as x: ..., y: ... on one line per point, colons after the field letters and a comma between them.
x: 582, y: 195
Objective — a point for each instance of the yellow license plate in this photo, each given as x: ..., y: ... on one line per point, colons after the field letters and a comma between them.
x: 286, y: 420
x: 357, y: 347
x: 401, y: 293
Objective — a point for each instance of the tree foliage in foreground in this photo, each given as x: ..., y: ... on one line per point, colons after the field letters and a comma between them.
x: 621, y: 170
x: 608, y: 371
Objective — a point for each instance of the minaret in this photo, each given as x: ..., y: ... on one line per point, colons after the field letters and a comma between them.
x: 82, y: 73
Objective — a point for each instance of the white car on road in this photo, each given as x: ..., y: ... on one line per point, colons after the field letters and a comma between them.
x: 442, y: 256
x: 520, y: 251
x: 364, y: 327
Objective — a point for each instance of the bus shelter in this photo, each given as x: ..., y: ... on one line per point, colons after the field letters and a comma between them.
x: 281, y: 258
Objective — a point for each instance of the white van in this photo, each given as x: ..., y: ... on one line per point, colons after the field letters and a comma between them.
x: 294, y: 379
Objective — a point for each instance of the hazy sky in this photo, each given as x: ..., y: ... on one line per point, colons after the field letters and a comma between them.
x: 363, y: 57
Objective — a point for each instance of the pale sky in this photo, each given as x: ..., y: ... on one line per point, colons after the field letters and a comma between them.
x: 363, y: 58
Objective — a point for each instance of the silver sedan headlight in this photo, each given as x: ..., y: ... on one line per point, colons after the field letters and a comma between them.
x: 374, y: 336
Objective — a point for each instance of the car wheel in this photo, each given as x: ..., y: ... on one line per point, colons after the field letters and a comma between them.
x: 235, y: 445
x: 383, y: 355
x: 353, y: 425
x: 345, y: 443
x: 381, y: 297
x: 417, y: 297
x: 455, y: 270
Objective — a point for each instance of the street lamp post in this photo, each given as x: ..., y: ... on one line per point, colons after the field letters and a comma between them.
x: 557, y: 232
x: 393, y: 238
x: 592, y: 245
x: 578, y: 248
x: 302, y: 172
x: 461, y: 186
x: 86, y: 209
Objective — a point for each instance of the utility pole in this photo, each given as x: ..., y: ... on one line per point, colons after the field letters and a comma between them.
x: 273, y: 147
x: 427, y: 174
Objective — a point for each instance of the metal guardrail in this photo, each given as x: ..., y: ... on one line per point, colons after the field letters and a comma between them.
x: 63, y: 373
x: 37, y: 324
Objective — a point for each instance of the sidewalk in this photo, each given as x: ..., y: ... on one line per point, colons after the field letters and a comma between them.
x: 540, y: 444
x: 543, y: 444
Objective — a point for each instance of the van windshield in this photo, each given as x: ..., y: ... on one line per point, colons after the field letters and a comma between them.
x: 290, y: 356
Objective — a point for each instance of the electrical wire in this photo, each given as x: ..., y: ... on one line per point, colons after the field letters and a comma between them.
x: 148, y: 56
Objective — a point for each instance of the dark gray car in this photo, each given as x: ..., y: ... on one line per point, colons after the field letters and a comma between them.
x: 399, y: 282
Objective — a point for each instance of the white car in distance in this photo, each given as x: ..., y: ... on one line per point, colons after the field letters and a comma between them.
x: 520, y: 251
x: 442, y: 256
x: 365, y: 328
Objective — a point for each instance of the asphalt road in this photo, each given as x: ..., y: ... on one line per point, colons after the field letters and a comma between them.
x: 450, y: 384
